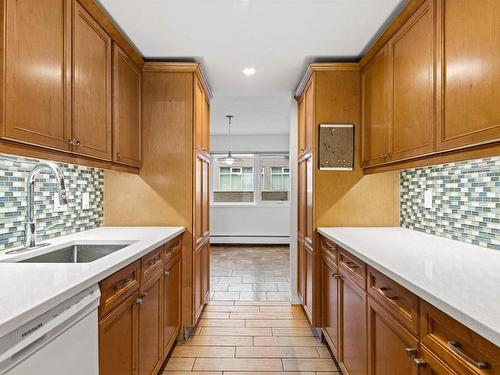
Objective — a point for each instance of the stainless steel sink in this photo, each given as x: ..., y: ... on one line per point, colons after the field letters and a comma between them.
x: 79, y: 253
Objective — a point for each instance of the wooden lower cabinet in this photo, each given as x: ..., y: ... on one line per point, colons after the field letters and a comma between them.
x: 171, y: 302
x: 308, y: 303
x: 391, y: 347
x: 329, y: 305
x: 118, y: 339
x: 150, y: 326
x: 374, y: 326
x: 352, y: 315
x: 136, y: 335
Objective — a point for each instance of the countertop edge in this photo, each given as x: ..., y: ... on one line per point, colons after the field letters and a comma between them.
x: 43, y: 306
x: 467, y: 320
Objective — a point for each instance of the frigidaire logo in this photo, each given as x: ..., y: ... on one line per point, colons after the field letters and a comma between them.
x: 31, y: 330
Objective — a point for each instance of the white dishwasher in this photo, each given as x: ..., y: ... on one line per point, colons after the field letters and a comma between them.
x: 62, y: 341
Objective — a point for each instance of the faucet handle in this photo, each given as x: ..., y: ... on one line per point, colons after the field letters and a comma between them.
x: 52, y: 226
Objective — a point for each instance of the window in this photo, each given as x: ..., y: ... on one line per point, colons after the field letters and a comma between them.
x: 236, y: 178
x: 233, y: 183
x: 275, y: 185
x: 241, y: 182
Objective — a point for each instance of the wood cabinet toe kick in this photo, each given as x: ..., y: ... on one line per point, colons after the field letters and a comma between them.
x: 373, y: 325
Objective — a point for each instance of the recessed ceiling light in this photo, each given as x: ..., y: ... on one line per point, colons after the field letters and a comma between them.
x: 249, y: 71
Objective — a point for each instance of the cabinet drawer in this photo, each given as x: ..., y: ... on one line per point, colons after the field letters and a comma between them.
x: 151, y: 263
x: 353, y: 268
x: 117, y: 287
x: 457, y: 346
x: 329, y: 249
x: 400, y: 302
x: 172, y: 248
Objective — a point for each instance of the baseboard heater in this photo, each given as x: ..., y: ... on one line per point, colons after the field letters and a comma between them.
x: 249, y: 239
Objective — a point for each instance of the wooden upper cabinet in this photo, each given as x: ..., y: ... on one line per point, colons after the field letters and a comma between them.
x: 127, y: 129
x: 37, y: 66
x: 199, y: 99
x: 375, y: 114
x: 302, y: 125
x: 470, y: 54
x: 412, y: 60
x: 309, y: 126
x: 91, y: 86
x: 206, y: 125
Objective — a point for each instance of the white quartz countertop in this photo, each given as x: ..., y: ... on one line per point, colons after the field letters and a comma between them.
x: 460, y: 279
x: 30, y: 289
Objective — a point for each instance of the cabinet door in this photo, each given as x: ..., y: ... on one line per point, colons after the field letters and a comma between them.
x: 301, y: 271
x: 199, y: 98
x: 198, y: 199
x: 301, y: 200
x: 205, y: 202
x: 118, y: 337
x: 205, y: 259
x: 91, y: 86
x: 127, y: 129
x: 308, y: 305
x: 470, y: 57
x: 375, y: 118
x: 309, y: 116
x: 301, y: 125
x: 412, y: 56
x: 352, y: 349
x: 37, y: 66
x: 388, y: 342
x: 198, y: 283
x: 171, y: 302
x: 309, y: 223
x: 150, y: 326
x: 206, y: 125
x: 329, y: 303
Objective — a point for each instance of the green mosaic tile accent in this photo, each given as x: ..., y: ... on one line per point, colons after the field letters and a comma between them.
x: 466, y: 201
x: 13, y: 199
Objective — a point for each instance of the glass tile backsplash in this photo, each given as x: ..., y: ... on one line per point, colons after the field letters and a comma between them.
x: 13, y: 201
x: 465, y: 201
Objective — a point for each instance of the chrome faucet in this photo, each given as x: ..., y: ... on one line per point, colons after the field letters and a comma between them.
x: 30, y: 226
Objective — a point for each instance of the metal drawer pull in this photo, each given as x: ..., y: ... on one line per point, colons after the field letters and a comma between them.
x: 336, y: 276
x: 455, y: 347
x: 419, y: 363
x: 167, y: 273
x: 139, y: 301
x: 411, y: 352
x: 383, y: 290
x: 122, y: 283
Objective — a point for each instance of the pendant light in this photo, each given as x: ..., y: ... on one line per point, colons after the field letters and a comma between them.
x: 229, y: 159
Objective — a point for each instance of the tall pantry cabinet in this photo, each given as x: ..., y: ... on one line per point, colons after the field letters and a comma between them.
x: 176, y: 112
x: 328, y: 93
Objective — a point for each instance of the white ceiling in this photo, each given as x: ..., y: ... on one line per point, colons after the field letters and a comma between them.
x: 264, y: 115
x: 276, y: 37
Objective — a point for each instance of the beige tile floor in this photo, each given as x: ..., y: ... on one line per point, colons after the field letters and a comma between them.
x: 252, y: 338
x: 250, y: 273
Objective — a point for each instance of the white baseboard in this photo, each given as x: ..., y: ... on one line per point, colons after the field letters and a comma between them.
x: 242, y: 239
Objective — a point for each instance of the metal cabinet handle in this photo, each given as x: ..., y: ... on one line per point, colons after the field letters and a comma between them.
x: 167, y: 273
x: 455, y: 346
x: 419, y: 363
x: 77, y: 142
x: 152, y: 262
x: 74, y: 142
x: 336, y: 276
x: 139, y: 301
x: 383, y: 290
x: 411, y: 352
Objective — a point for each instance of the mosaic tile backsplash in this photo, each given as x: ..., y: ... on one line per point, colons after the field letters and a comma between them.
x: 466, y: 201
x: 13, y: 200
